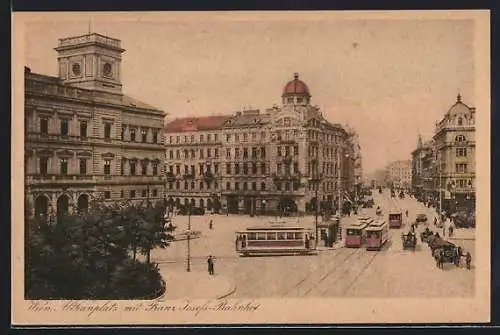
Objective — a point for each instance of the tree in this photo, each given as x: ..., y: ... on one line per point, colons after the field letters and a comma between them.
x: 88, y: 256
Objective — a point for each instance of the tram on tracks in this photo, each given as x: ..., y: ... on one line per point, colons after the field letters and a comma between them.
x: 275, y: 240
x: 395, y: 219
x: 355, y: 233
x: 377, y: 234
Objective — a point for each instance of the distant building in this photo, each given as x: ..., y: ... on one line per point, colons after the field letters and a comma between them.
x: 398, y: 173
x: 84, y: 138
x: 256, y: 161
x: 422, y: 179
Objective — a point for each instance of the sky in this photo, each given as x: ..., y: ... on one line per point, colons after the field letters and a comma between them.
x: 390, y: 80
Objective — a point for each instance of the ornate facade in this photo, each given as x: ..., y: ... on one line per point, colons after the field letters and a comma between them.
x: 399, y: 173
x: 260, y: 161
x: 84, y: 138
x: 447, y: 162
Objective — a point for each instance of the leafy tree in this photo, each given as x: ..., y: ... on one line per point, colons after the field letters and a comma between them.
x: 88, y: 256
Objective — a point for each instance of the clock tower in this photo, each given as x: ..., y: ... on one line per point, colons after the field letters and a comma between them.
x: 91, y: 61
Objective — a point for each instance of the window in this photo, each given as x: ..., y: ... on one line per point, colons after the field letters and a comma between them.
x: 254, y: 168
x: 461, y: 168
x: 262, y: 152
x: 254, y: 152
x: 178, y: 154
x: 83, y: 166
x: 209, y: 138
x: 201, y: 185
x: 289, y: 100
x: 44, y: 126
x: 295, y: 167
x: 155, y: 168
x: 107, y: 167
x: 228, y: 137
x: 64, y: 128
x: 228, y: 168
x: 192, y: 153
x: 83, y: 129
x: 236, y: 137
x: 237, y: 168
x: 201, y: 138
x: 192, y: 138
x: 299, y: 100
x: 155, y: 193
x: 122, y: 194
x: 263, y: 168
x: 201, y: 153
x: 228, y: 153
x: 185, y: 185
x: 171, y: 154
x: 186, y: 169
x: 132, y: 168
x: 144, y: 193
x: 263, y: 135
x: 186, y: 154
x: 216, y: 153
x: 177, y: 139
x: 287, y: 151
x: 171, y: 139
x: 245, y: 168
x: 177, y: 185
x: 237, y: 186
x: 64, y: 166
x: 209, y: 152
x: 132, y: 135
x: 107, y: 194
x: 245, y: 186
x: 296, y: 150
x: 245, y: 137
x: 245, y: 153
x: 144, y: 135
x: 144, y: 168
x: 216, y: 168
x: 287, y: 186
x: 170, y: 185
x: 44, y: 165
x: 279, y: 151
x: 107, y: 131
x: 192, y: 185
x: 155, y: 135
x: 254, y: 186
x: 278, y: 186
x: 460, y: 138
x: 263, y: 186
x: 132, y: 193
x: 237, y: 152
x: 460, y: 121
x: 216, y: 137
x: 192, y: 170
x: 461, y: 152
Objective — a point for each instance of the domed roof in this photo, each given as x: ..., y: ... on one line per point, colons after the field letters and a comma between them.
x: 459, y: 108
x: 296, y: 86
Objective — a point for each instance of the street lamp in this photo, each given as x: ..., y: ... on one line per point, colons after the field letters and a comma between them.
x: 340, y: 182
x: 189, y: 239
x: 263, y: 206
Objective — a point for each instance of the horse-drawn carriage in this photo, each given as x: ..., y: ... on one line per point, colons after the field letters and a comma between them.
x: 409, y: 241
x: 426, y: 235
x: 444, y: 251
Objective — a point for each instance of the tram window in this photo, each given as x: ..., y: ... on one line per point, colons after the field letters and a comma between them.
x: 252, y: 236
x: 281, y: 235
x: 271, y: 236
x: 298, y: 236
x: 290, y: 236
x: 351, y: 232
x: 261, y: 236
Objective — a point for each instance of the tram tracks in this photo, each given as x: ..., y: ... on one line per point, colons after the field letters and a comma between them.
x: 311, y: 274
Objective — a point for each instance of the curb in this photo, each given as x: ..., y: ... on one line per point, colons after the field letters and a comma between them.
x: 463, y: 238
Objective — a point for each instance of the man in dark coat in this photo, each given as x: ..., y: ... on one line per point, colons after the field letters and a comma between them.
x: 210, y: 262
x: 468, y: 260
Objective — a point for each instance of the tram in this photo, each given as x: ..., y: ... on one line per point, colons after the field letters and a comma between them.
x: 395, y: 219
x: 377, y: 234
x: 275, y: 240
x: 355, y: 233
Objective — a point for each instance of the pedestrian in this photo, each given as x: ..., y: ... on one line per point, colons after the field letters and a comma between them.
x: 406, y: 212
x: 460, y: 251
x: 450, y: 231
x: 210, y: 262
x: 210, y: 225
x: 435, y: 221
x: 444, y: 231
x: 468, y: 260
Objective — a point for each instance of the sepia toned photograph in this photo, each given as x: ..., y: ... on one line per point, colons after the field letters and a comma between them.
x: 251, y: 167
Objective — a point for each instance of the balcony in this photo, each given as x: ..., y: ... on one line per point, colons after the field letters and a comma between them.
x: 39, y: 179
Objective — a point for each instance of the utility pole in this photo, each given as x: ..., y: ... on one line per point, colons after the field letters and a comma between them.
x: 316, y: 184
x: 339, y: 181
x: 440, y: 187
x: 189, y: 239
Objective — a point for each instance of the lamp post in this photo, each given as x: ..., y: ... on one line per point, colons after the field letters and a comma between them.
x: 189, y: 239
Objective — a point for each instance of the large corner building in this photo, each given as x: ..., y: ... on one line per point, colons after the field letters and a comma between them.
x: 84, y: 138
x: 255, y: 161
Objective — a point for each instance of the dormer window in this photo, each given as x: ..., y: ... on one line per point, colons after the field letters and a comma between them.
x: 289, y: 100
x: 460, y: 121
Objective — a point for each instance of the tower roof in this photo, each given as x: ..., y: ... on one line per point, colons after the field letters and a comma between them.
x: 296, y: 86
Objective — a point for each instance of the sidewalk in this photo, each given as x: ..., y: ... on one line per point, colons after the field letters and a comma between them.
x: 337, y: 245
x: 463, y: 234
x: 195, y: 285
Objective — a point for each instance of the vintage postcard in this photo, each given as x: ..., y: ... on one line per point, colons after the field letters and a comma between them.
x: 251, y: 167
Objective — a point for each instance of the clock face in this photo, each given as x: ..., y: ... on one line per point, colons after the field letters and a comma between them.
x: 76, y: 69
x: 107, y: 70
